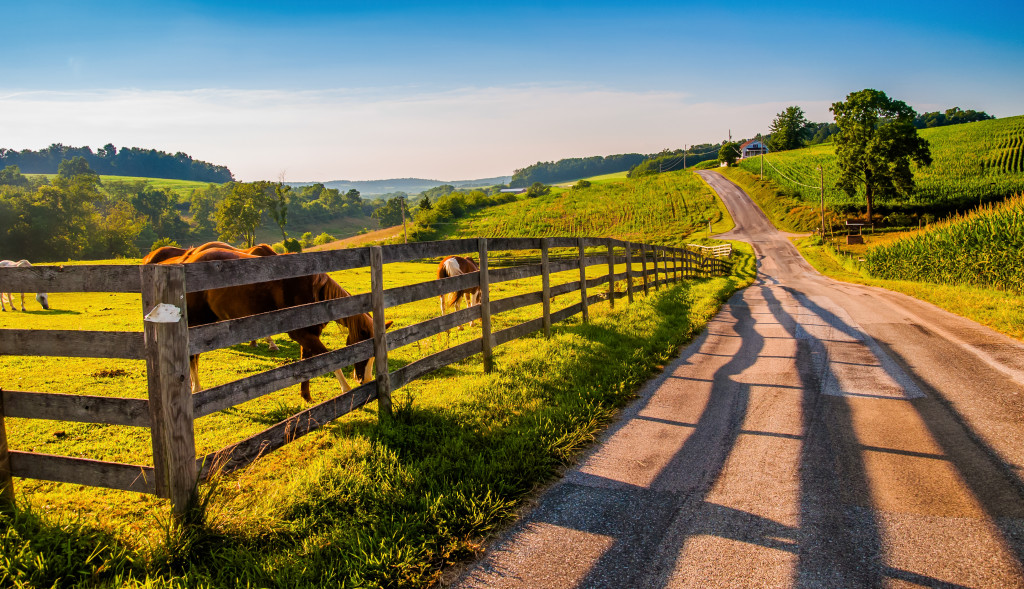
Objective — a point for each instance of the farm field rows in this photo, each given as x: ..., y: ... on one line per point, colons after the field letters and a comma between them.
x: 971, y: 162
x: 664, y: 209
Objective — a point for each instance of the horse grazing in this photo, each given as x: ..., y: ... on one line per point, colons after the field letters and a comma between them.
x: 176, y: 255
x: 40, y: 296
x: 233, y: 302
x: 457, y: 266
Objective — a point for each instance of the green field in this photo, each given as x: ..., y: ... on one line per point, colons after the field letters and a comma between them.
x: 358, y: 503
x: 974, y: 162
x: 182, y: 188
x: 664, y: 208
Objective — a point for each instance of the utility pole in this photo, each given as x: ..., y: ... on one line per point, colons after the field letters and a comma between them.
x: 684, y: 156
x: 405, y: 236
x: 762, y: 162
x: 822, y: 171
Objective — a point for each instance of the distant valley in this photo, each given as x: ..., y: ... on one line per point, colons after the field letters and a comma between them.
x: 412, y: 186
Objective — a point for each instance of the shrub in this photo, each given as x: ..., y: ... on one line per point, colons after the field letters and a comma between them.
x: 164, y: 241
x: 323, y: 238
x: 292, y: 246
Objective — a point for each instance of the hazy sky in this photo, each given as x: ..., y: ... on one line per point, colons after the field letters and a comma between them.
x: 321, y: 90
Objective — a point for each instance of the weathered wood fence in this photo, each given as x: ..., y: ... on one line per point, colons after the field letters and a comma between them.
x: 166, y: 344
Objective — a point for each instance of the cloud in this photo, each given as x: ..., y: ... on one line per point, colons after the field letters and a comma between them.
x: 380, y: 132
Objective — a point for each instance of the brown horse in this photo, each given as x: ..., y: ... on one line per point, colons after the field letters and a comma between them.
x: 241, y: 301
x: 176, y: 255
x: 457, y: 266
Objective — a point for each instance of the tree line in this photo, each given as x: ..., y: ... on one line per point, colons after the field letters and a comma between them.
x: 109, y: 160
x: 76, y: 216
x: 572, y: 168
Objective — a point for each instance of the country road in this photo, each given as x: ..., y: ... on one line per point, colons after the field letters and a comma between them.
x: 818, y: 434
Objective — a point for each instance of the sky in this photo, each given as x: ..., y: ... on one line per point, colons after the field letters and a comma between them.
x: 333, y: 90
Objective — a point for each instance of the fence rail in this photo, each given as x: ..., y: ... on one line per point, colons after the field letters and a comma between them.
x: 170, y: 409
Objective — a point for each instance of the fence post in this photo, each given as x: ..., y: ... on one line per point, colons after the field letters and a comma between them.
x: 643, y: 264
x: 380, y: 343
x: 611, y: 272
x: 6, y: 480
x: 170, y: 392
x: 485, y: 308
x: 629, y: 272
x: 677, y: 259
x: 546, y: 285
x: 654, y: 263
x: 583, y: 281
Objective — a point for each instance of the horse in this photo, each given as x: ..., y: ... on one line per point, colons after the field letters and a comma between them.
x: 457, y: 266
x: 168, y: 252
x: 40, y: 296
x: 232, y: 302
x: 175, y: 255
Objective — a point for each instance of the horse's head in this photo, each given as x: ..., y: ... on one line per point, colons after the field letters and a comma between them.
x: 43, y: 299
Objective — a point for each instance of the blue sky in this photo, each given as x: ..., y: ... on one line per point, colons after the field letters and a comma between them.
x: 338, y: 90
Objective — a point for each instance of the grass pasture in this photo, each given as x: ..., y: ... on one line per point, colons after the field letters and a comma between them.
x: 359, y: 503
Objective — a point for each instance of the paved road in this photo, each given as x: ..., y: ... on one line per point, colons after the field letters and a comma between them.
x: 819, y: 434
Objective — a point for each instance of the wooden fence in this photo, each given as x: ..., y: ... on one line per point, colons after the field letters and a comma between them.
x: 166, y: 344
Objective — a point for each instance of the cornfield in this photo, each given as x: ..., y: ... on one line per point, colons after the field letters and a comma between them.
x: 972, y: 163
x: 981, y: 248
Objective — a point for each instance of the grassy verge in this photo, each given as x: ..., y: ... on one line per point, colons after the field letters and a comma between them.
x: 1000, y: 310
x: 785, y: 209
x: 360, y: 503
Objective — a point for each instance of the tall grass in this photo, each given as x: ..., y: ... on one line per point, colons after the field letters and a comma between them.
x: 981, y: 248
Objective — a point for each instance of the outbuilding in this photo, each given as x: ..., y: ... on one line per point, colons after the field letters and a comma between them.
x: 752, y: 148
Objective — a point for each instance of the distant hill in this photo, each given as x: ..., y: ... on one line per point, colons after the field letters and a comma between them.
x: 111, y: 161
x: 411, y: 186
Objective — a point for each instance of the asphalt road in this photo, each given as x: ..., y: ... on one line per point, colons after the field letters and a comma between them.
x: 818, y: 434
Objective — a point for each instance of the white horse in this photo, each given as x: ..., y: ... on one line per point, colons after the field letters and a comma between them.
x: 41, y: 297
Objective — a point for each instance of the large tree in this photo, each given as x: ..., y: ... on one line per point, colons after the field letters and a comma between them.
x: 875, y: 145
x: 789, y: 130
x: 240, y: 214
x: 729, y: 152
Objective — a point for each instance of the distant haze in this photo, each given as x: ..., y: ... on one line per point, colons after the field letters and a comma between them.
x: 410, y: 186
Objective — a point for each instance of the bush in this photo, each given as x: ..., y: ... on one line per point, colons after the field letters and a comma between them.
x: 537, y: 189
x: 899, y: 220
x: 581, y: 185
x: 706, y: 165
x: 323, y: 238
x: 307, y: 239
x: 292, y: 246
x: 164, y: 241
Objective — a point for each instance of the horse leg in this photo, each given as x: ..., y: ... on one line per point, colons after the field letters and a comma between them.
x: 310, y: 345
x: 368, y: 373
x: 458, y: 305
x: 193, y: 372
x: 22, y: 302
x: 2, y: 307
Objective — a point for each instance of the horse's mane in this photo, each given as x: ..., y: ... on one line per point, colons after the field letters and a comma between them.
x: 326, y: 288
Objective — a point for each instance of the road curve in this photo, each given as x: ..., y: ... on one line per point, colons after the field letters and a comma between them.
x: 818, y: 434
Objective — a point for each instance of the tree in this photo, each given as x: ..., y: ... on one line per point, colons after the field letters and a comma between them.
x: 12, y: 176
x: 875, y: 145
x: 390, y: 214
x: 537, y: 189
x: 277, y: 207
x: 789, y: 130
x: 241, y: 212
x: 729, y: 152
